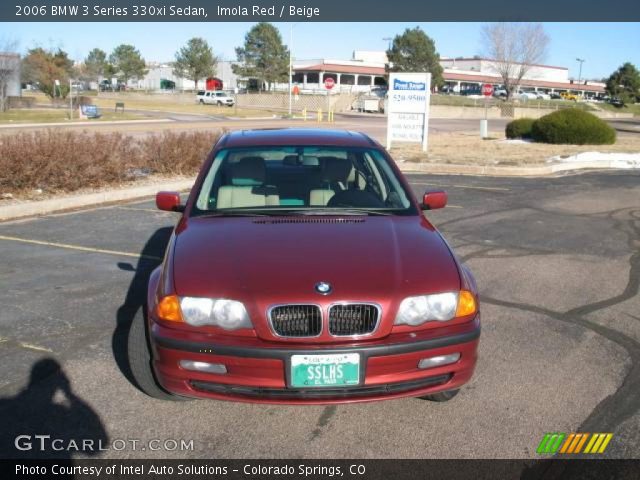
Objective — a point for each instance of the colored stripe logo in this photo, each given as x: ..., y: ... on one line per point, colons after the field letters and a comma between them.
x: 593, y: 443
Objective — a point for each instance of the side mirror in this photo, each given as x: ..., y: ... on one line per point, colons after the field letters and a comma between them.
x: 169, y: 201
x: 434, y: 200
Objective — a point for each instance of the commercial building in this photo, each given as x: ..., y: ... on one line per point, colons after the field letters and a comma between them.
x: 366, y: 70
x: 160, y: 76
x: 461, y: 74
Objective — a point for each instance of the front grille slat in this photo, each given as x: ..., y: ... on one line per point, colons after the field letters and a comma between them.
x: 296, y: 320
x: 353, y: 319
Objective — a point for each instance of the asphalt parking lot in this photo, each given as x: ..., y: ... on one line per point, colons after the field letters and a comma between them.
x: 558, y: 266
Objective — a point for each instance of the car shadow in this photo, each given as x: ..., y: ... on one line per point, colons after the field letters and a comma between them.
x: 48, y: 420
x: 135, y: 299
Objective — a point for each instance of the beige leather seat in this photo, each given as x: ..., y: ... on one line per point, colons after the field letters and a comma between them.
x: 334, y: 175
x: 247, y: 186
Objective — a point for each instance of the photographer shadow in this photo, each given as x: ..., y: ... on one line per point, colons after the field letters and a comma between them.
x: 48, y: 420
x: 136, y: 297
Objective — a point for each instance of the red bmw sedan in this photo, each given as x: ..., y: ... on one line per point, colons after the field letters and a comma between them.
x: 303, y: 271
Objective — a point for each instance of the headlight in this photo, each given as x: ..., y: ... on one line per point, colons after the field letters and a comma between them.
x: 223, y: 313
x: 418, y: 310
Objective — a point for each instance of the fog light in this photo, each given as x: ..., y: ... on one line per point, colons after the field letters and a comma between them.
x: 203, y: 366
x: 439, y: 360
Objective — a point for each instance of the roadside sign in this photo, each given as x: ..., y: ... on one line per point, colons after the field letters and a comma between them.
x: 329, y: 83
x: 487, y: 90
x: 408, y: 117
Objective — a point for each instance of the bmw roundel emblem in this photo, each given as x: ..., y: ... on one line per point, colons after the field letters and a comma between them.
x: 323, y: 288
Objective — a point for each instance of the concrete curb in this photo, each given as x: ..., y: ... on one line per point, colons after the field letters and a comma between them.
x: 42, y: 207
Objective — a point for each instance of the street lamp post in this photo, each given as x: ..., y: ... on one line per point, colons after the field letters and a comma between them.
x: 290, y: 66
x: 580, y: 61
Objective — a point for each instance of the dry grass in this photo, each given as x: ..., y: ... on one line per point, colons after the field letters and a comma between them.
x: 470, y: 149
x: 176, y: 104
x: 66, y: 161
x: 167, y: 103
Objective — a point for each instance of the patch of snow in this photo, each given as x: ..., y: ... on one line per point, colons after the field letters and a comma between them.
x: 605, y: 160
x: 515, y: 141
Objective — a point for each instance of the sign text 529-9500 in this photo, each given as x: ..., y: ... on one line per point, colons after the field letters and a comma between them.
x: 412, y: 97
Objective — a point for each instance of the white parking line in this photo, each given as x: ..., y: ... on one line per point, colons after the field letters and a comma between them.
x: 497, y: 189
x: 140, y: 209
x: 78, y: 247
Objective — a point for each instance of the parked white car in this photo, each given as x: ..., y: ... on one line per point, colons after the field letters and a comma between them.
x: 499, y: 92
x: 543, y: 96
x: 527, y: 96
x: 214, y: 97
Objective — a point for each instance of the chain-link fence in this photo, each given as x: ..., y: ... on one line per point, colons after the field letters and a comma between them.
x: 507, y: 110
x: 280, y: 101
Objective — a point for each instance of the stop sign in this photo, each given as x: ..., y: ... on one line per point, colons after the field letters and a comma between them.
x: 329, y: 83
x: 487, y: 90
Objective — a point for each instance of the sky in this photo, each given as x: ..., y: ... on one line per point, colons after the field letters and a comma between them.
x: 604, y: 46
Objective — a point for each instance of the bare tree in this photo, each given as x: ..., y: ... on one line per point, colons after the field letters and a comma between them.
x: 514, y: 48
x: 9, y: 70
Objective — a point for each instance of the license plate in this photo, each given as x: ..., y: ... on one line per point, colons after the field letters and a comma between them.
x: 333, y: 370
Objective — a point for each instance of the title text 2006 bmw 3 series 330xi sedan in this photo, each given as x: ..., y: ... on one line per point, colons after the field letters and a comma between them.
x: 303, y: 271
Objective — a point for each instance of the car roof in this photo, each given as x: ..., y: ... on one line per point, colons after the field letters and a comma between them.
x: 296, y: 136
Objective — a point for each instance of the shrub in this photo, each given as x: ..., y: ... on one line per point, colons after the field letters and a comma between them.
x: 573, y: 126
x: 64, y: 161
x: 520, y: 128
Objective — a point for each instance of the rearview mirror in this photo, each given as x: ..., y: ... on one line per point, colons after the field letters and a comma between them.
x: 434, y: 200
x: 169, y: 201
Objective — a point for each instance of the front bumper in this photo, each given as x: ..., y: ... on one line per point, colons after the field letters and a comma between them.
x: 258, y: 371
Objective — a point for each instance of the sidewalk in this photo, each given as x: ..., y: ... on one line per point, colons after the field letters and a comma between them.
x: 82, y: 124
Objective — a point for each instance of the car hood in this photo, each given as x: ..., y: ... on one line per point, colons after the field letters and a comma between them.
x: 283, y: 258
x: 263, y: 261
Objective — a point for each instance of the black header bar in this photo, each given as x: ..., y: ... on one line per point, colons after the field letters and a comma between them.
x: 317, y: 10
x: 319, y: 469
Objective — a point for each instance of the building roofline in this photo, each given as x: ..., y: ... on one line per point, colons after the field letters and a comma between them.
x: 485, y: 59
x: 451, y: 76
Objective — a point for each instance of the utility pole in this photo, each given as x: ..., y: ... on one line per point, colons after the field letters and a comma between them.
x: 290, y: 65
x: 70, y: 99
x: 581, y: 61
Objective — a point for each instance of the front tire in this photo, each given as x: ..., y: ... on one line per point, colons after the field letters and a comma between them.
x: 139, y: 353
x: 441, y: 396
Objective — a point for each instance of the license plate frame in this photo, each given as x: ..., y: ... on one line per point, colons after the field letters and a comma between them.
x: 325, y: 372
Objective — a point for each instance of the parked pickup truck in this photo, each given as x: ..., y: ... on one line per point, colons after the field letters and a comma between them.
x: 214, y: 97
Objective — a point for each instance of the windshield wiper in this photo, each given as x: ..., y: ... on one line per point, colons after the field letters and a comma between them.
x: 232, y: 213
x: 276, y: 211
x: 345, y: 211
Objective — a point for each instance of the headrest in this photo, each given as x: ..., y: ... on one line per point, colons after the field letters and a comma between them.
x: 335, y: 169
x: 248, y: 171
x: 290, y: 160
x: 310, y: 161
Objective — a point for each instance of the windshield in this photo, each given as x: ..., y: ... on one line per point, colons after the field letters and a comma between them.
x: 305, y: 180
